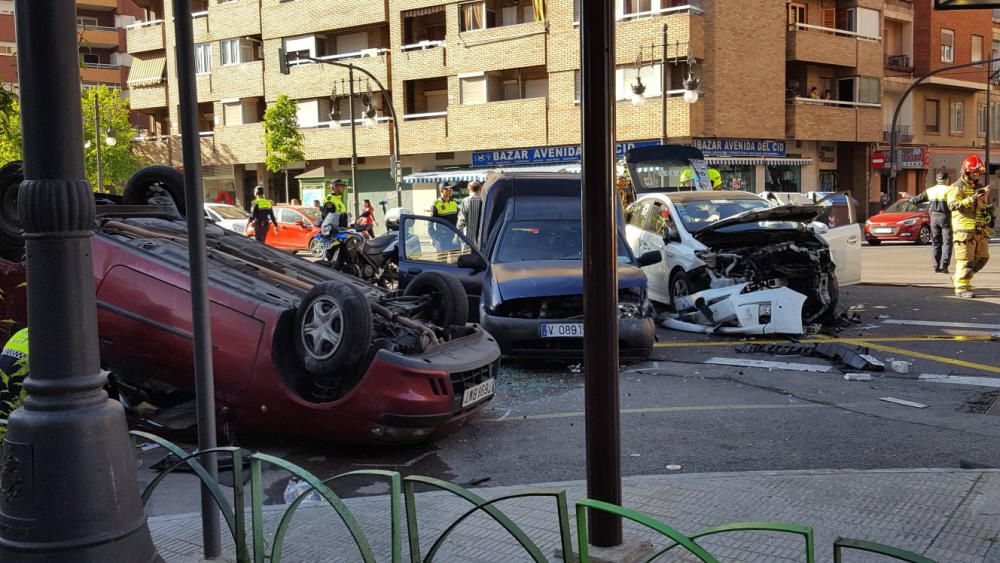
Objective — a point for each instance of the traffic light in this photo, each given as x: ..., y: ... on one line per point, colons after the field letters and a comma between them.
x: 282, y: 61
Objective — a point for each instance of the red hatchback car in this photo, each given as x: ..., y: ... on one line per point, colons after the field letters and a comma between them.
x: 901, y: 221
x: 298, y: 224
x: 299, y: 349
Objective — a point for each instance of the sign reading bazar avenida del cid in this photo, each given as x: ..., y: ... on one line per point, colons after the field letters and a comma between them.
x: 740, y: 147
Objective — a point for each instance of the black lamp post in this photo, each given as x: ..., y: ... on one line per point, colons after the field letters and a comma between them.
x: 691, y: 84
x: 69, y: 491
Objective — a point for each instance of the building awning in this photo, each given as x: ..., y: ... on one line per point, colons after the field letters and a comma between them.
x: 753, y: 161
x: 470, y: 174
x: 148, y: 72
x: 423, y: 11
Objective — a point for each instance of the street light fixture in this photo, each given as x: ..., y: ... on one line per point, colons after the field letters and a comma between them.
x: 369, y: 111
x: 638, y: 89
x: 691, y: 84
x: 334, y: 109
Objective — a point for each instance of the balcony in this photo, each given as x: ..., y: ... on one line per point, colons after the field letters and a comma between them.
x: 99, y: 5
x: 309, y: 80
x: 499, y: 48
x: 282, y: 18
x: 903, y: 134
x: 686, y: 25
x: 94, y: 73
x: 144, y: 36
x: 158, y: 150
x: 97, y: 36
x: 829, y: 46
x: 471, y: 121
x: 148, y: 97
x: 238, y: 144
x: 416, y: 61
x: 244, y: 80
x: 323, y: 142
x: 899, y: 63
x: 199, y: 24
x: 832, y: 120
x: 236, y: 18
x: 424, y: 130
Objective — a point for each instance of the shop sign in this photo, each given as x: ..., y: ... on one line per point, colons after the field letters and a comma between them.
x: 545, y: 155
x: 827, y: 153
x: 741, y: 147
x: 910, y: 158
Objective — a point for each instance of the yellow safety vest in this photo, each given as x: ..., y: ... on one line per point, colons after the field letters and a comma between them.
x: 17, y: 346
x: 443, y: 208
x: 337, y: 201
x: 262, y: 203
x: 967, y: 213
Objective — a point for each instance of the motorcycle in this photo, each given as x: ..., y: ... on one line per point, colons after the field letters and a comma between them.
x: 348, y: 251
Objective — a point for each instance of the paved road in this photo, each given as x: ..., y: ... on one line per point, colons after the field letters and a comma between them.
x: 680, y: 409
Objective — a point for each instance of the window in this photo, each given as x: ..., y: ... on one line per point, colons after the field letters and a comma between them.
x: 203, y: 58
x: 797, y: 13
x: 947, y: 46
x: 352, y: 42
x: 865, y: 22
x: 8, y: 48
x: 860, y: 89
x: 6, y: 7
x: 931, y: 114
x: 994, y: 123
x: 473, y: 16
x: 230, y: 51
x: 956, y: 117
x: 977, y: 49
x: 636, y: 6
x: 86, y: 21
x: 576, y: 86
x: 981, y: 121
x: 472, y: 89
x: 576, y: 11
x: 625, y: 79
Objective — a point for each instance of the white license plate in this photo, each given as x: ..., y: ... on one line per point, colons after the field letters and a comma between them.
x: 884, y: 231
x: 562, y: 330
x: 478, y: 393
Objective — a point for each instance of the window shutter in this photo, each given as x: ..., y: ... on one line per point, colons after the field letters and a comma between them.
x: 829, y: 17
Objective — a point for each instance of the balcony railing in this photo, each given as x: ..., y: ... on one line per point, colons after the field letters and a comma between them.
x: 87, y: 26
x: 137, y: 25
x: 373, y: 52
x: 428, y: 115
x: 799, y: 100
x: 422, y: 45
x: 104, y: 66
x: 902, y: 132
x: 692, y: 6
x: 832, y: 31
x: 899, y: 63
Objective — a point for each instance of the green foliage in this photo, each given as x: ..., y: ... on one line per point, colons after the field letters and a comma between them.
x: 10, y: 126
x: 118, y: 162
x: 282, y: 139
x: 11, y: 405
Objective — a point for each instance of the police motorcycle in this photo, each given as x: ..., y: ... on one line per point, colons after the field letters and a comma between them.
x: 346, y: 250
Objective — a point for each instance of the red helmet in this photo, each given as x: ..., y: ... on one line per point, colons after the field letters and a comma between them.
x: 973, y: 164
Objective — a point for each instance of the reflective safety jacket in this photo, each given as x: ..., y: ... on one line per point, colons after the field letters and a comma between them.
x: 17, y: 346
x: 335, y: 204
x: 968, y: 214
x: 261, y: 211
x: 937, y: 196
x: 447, y: 210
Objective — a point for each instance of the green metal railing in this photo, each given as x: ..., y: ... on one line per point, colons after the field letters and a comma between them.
x: 403, y: 492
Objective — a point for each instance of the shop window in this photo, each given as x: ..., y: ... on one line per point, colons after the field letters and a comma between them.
x: 827, y: 180
x: 783, y: 178
x: 932, y: 111
x: 947, y: 46
x: 956, y: 117
x: 737, y: 177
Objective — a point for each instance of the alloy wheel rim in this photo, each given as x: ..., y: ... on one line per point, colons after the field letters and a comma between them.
x: 323, y: 328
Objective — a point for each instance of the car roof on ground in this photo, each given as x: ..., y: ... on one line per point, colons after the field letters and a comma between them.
x: 703, y: 195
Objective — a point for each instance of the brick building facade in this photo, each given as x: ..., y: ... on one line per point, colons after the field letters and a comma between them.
x: 470, y: 78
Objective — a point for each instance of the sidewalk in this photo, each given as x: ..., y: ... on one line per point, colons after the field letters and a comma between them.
x: 948, y: 515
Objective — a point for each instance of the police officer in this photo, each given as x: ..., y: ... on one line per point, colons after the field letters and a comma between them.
x: 445, y: 209
x: 335, y: 201
x: 937, y: 195
x: 13, y: 370
x: 968, y: 202
x: 688, y: 179
x: 261, y: 215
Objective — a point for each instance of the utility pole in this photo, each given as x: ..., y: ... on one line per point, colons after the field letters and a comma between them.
x: 354, y: 145
x: 98, y: 140
x: 663, y: 88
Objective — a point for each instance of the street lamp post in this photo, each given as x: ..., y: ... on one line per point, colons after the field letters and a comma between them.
x: 70, y: 489
x: 691, y: 84
x: 108, y: 140
x: 283, y: 60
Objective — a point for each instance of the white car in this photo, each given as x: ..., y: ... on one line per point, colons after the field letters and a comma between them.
x: 227, y: 216
x: 736, y: 263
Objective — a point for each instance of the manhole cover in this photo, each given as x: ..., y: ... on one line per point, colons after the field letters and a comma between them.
x: 984, y: 403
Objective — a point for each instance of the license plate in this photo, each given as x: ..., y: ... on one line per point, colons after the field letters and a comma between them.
x: 478, y: 393
x: 562, y: 330
x: 884, y: 231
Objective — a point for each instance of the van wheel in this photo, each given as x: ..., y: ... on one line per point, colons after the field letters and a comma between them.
x: 11, y: 231
x: 156, y: 181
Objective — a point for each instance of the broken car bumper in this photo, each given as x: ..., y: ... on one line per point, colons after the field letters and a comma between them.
x: 736, y: 310
x: 523, y: 338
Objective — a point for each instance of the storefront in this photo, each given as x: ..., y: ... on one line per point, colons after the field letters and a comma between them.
x: 754, y: 165
x: 913, y: 174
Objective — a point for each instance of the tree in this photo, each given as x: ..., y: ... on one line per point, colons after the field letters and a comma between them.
x: 282, y: 139
x: 10, y: 126
x: 118, y: 162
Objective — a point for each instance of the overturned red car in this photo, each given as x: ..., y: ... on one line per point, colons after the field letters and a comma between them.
x: 299, y: 350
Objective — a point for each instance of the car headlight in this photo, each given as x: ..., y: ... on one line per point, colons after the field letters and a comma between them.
x: 909, y: 222
x: 764, y: 313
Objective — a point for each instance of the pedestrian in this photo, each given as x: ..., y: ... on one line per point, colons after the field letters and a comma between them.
x: 13, y: 371
x: 937, y: 195
x: 827, y: 95
x: 470, y: 217
x: 366, y: 221
x: 446, y: 209
x: 971, y: 216
x: 335, y: 203
x: 261, y: 215
x: 317, y: 204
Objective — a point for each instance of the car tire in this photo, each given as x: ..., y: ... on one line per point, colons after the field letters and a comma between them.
x: 450, y: 302
x: 925, y: 236
x: 11, y: 231
x: 333, y: 331
x: 680, y: 285
x: 153, y: 181
x: 874, y: 242
x: 316, y: 248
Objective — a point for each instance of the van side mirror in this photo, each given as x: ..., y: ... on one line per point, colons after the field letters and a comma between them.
x: 472, y: 261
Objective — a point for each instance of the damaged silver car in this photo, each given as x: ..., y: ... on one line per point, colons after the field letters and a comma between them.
x: 735, y: 263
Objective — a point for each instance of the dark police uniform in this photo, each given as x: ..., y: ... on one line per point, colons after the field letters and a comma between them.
x: 262, y: 213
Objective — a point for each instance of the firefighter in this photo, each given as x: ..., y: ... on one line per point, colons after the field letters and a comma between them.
x: 937, y: 195
x: 261, y: 215
x: 971, y: 216
x: 715, y: 178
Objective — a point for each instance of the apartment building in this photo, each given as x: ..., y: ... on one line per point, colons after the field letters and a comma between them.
x: 486, y: 84
x: 104, y: 58
x: 945, y: 118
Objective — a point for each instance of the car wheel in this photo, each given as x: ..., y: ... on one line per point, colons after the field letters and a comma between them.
x: 156, y: 181
x: 316, y: 248
x: 874, y: 242
x: 680, y: 286
x: 925, y: 235
x: 449, y: 302
x: 11, y: 231
x: 333, y: 333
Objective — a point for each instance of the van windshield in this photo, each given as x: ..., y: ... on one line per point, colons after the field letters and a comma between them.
x: 546, y: 240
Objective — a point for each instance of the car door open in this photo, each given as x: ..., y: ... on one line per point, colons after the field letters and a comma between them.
x: 844, y: 235
x: 427, y: 244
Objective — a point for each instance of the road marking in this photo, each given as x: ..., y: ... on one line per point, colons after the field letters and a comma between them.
x: 941, y: 324
x: 788, y: 366
x: 960, y: 379
x: 904, y: 403
x: 859, y: 340
x: 931, y: 357
x: 651, y: 410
